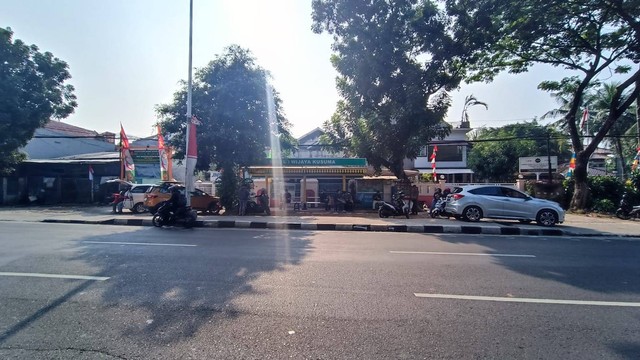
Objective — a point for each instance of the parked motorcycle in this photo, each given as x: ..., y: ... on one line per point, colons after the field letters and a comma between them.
x: 167, y: 217
x: 259, y: 206
x: 626, y: 211
x: 439, y: 208
x: 399, y: 206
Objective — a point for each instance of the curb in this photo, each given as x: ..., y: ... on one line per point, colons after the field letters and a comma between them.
x: 421, y: 229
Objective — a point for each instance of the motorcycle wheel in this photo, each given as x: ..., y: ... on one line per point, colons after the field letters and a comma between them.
x: 621, y: 214
x: 433, y: 214
x: 157, y: 220
x: 382, y: 213
x: 190, y: 220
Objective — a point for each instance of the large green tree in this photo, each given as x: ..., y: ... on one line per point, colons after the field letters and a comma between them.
x: 33, y: 90
x: 495, y: 151
x: 230, y: 98
x: 588, y: 37
x: 396, y: 61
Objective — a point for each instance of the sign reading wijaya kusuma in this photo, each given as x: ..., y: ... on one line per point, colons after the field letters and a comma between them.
x: 325, y: 162
x: 145, y: 157
x: 537, y: 164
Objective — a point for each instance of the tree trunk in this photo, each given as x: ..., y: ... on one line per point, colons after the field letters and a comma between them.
x: 620, y: 160
x: 398, y: 170
x: 581, y: 189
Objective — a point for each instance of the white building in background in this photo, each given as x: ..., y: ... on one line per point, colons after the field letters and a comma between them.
x: 451, y: 157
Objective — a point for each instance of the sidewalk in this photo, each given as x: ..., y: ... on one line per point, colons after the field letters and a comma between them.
x: 575, y: 225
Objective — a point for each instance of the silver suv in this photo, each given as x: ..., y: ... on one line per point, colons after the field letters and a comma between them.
x: 474, y: 202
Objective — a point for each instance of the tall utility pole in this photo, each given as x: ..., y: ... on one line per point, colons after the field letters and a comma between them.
x: 549, y: 156
x: 188, y: 176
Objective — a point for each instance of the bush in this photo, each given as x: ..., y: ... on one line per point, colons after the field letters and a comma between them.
x: 605, y: 206
x: 605, y: 187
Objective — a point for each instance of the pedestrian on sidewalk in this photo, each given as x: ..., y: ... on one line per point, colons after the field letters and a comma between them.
x: 243, y: 198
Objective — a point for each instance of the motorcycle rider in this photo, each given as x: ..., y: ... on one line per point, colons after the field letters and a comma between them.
x: 177, y: 201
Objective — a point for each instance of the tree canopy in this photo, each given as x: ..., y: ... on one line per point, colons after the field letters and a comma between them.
x: 33, y: 91
x: 588, y: 37
x: 497, y: 159
x: 230, y: 99
x: 396, y: 61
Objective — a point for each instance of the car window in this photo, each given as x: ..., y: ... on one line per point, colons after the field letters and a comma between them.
x: 512, y: 193
x: 487, y: 190
x: 457, y: 190
x: 139, y: 189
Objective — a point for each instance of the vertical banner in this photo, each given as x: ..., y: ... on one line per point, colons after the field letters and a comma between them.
x: 636, y: 160
x: 433, y: 163
x: 192, y: 153
x: 164, y: 161
x: 572, y: 164
x: 129, y: 167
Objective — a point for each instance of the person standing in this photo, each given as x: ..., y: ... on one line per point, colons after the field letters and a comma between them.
x: 243, y: 198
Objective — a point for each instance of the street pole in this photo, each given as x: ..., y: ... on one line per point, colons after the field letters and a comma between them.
x: 188, y: 177
x: 549, y: 155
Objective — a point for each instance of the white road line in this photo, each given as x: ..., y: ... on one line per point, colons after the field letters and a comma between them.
x: 55, y: 276
x: 131, y: 243
x: 529, y: 300
x: 462, y: 254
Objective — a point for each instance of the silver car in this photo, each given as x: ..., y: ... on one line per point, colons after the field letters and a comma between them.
x: 474, y: 202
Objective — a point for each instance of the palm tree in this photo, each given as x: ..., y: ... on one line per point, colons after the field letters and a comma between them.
x: 599, y: 104
x: 469, y: 101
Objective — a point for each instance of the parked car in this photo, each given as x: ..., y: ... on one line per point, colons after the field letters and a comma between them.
x: 200, y: 200
x: 135, y: 198
x: 474, y: 202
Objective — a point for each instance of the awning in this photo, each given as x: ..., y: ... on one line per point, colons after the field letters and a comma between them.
x: 446, y: 171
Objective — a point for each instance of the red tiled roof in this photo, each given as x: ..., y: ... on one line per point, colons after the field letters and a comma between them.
x: 69, y: 129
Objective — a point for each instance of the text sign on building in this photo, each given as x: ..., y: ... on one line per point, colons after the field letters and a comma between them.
x: 535, y: 164
x: 325, y: 162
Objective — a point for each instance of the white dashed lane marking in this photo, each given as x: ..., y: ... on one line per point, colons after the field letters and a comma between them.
x: 461, y: 254
x: 528, y: 300
x: 55, y: 276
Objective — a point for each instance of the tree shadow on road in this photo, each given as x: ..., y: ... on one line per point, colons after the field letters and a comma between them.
x: 170, y: 292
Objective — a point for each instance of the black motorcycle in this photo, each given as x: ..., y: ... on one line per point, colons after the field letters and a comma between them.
x: 399, y: 206
x: 259, y: 206
x: 165, y: 216
x: 626, y: 211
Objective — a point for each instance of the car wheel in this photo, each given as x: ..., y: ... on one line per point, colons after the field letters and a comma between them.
x: 138, y: 208
x: 525, y: 221
x: 472, y: 214
x: 547, y: 217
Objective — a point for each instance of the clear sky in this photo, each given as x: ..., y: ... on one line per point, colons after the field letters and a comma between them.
x: 126, y: 56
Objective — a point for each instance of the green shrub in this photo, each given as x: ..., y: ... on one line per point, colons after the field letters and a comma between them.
x: 605, y: 206
x: 605, y: 187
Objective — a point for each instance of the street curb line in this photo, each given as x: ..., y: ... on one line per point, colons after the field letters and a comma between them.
x: 423, y: 229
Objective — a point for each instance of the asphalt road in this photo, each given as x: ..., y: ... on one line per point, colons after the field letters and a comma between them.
x: 264, y: 294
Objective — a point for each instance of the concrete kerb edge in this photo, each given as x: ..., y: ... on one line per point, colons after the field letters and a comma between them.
x: 431, y: 229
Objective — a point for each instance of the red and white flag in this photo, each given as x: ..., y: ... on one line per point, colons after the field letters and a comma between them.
x: 433, y: 163
x: 164, y: 161
x: 90, y: 173
x: 127, y: 159
x: 585, y: 118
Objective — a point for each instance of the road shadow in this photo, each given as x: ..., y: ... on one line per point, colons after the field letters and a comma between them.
x: 600, y: 265
x: 178, y: 289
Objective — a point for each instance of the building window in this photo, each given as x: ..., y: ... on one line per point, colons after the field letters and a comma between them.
x: 447, y: 152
